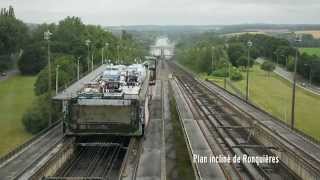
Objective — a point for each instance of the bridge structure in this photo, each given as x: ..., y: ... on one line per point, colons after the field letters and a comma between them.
x: 162, y: 51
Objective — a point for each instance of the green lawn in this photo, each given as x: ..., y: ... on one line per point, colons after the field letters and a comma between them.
x: 311, y: 51
x: 16, y: 95
x: 274, y: 95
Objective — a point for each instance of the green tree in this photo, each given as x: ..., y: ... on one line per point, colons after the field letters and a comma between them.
x: 13, y: 33
x: 235, y: 51
x: 268, y: 67
x: 36, y: 33
x: 290, y: 64
x: 236, y: 75
x: 32, y: 60
x: 67, y: 72
x: 7, y: 13
x: 5, y: 62
x: 36, y: 117
x: 242, y: 62
x: 69, y: 37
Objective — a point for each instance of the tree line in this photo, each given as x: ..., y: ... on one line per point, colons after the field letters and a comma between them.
x: 279, y: 51
x: 7, y: 12
x: 12, y: 38
x: 209, y: 53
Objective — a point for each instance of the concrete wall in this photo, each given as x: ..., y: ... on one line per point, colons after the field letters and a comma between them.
x: 56, y: 162
x: 287, y: 156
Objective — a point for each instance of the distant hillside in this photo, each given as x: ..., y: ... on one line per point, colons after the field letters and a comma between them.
x: 218, y: 28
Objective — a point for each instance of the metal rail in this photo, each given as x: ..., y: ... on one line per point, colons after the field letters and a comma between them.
x: 126, y: 158
x: 211, y: 131
x: 19, y: 148
x: 94, y: 162
x: 196, y: 92
x: 277, y: 120
x: 190, y: 150
x: 34, y: 163
x: 309, y: 159
x: 228, y: 139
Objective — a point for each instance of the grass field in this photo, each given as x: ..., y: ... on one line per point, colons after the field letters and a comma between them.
x: 310, y: 51
x: 273, y: 94
x: 16, y: 95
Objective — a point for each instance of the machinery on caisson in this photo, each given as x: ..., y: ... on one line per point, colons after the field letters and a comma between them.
x: 152, y: 66
x: 114, y: 103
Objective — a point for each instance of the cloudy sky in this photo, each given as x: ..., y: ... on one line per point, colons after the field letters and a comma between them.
x: 169, y: 12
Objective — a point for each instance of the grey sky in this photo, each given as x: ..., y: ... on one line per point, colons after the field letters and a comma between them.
x: 168, y: 12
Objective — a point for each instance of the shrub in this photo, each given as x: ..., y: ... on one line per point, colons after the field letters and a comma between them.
x: 34, y: 121
x: 220, y: 73
x: 36, y: 117
x: 5, y: 62
x: 290, y: 65
x: 32, y: 60
x: 67, y: 73
x: 268, y: 66
x: 236, y: 76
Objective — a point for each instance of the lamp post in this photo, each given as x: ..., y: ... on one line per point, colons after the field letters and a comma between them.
x: 310, y: 72
x: 212, y: 48
x: 277, y: 59
x: 229, y: 70
x: 225, y: 75
x: 57, y: 78
x: 107, y: 46
x: 286, y: 59
x: 78, y: 68
x: 297, y: 40
x: 88, y: 57
x: 123, y: 55
x: 102, y: 53
x: 118, y: 52
x: 248, y: 64
x: 92, y: 57
x: 47, y: 36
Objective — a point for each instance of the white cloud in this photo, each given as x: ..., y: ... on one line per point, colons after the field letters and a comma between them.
x: 129, y: 12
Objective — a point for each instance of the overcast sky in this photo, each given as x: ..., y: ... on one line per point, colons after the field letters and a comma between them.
x: 169, y: 12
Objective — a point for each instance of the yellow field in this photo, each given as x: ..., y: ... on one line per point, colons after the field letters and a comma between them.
x: 242, y: 33
x: 315, y: 34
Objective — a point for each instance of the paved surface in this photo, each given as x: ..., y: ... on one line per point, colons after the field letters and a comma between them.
x: 195, y: 138
x: 9, y: 74
x: 31, y: 154
x: 289, y: 76
x: 150, y: 159
x: 158, y: 134
x: 169, y: 135
x: 72, y: 90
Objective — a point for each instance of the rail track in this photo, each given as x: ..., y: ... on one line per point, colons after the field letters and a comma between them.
x: 227, y: 134
x: 128, y: 170
x: 95, y: 158
x: 26, y: 156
